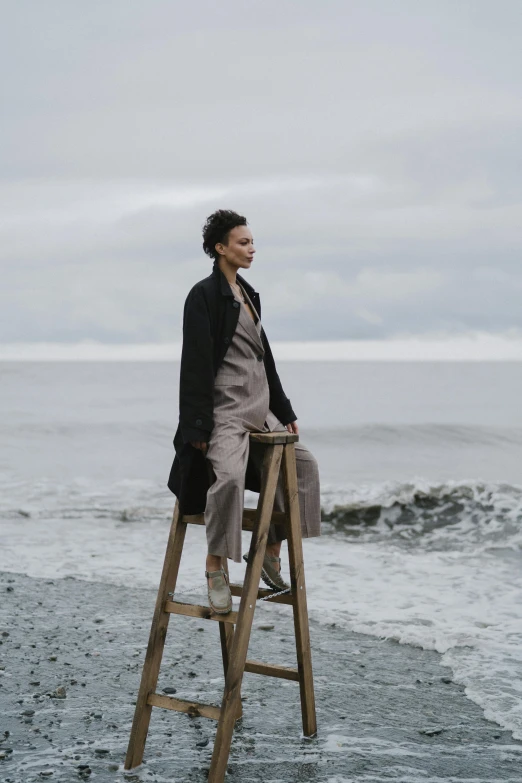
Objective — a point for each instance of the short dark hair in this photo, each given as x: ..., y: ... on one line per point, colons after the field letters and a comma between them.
x: 217, y: 228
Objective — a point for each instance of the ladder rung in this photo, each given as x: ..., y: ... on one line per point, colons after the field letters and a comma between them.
x: 197, y: 610
x: 277, y: 518
x: 237, y: 590
x: 270, y: 670
x: 249, y: 517
x: 192, y: 708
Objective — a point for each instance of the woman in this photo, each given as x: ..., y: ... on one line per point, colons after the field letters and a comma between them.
x: 229, y: 387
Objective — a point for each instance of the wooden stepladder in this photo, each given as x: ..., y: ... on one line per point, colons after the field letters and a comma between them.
x: 235, y: 627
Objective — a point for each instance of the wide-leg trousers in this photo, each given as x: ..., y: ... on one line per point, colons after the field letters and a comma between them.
x: 225, y: 499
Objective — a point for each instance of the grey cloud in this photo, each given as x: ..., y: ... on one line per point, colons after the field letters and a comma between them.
x: 374, y: 147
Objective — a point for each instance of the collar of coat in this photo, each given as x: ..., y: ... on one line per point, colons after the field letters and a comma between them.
x: 224, y: 284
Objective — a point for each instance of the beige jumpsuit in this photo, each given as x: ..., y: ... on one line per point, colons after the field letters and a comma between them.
x: 241, y: 405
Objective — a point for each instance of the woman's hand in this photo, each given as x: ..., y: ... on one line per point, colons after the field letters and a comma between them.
x: 293, y: 428
x: 199, y: 444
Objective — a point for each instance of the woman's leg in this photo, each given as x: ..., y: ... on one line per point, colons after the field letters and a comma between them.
x: 228, y: 454
x: 309, y: 497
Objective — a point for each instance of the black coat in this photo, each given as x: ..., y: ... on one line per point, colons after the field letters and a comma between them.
x: 210, y: 319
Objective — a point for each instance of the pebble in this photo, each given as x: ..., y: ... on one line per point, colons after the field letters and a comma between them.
x: 169, y: 689
x: 431, y: 732
x: 28, y: 713
x: 202, y: 743
x: 59, y: 693
x: 447, y: 680
x: 265, y: 627
x: 101, y: 751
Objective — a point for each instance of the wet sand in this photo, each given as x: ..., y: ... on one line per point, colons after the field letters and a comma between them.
x: 71, y: 654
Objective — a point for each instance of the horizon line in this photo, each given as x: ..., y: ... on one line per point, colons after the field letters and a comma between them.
x: 470, y: 347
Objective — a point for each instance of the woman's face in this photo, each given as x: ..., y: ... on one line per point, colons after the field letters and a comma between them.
x: 239, y: 250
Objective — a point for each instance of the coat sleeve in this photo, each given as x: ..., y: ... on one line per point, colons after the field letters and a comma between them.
x: 196, y: 381
x: 279, y: 403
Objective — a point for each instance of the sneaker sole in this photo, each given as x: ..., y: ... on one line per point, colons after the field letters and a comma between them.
x: 268, y: 581
x: 219, y: 611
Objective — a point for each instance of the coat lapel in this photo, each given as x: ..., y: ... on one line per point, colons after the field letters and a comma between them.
x: 250, y: 328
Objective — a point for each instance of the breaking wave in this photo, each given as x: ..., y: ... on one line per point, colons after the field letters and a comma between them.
x: 442, y: 515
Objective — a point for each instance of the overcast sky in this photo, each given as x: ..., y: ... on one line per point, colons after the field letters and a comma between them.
x: 374, y: 146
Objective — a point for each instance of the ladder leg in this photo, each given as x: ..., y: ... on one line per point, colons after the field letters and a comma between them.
x: 226, y: 636
x: 238, y: 652
x: 158, y: 632
x: 297, y: 577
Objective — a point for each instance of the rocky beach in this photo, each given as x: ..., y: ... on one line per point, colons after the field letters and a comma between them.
x: 71, y: 656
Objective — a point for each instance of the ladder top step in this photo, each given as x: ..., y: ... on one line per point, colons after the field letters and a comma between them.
x: 274, y: 438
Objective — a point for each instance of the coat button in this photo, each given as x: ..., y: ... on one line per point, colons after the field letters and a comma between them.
x: 235, y: 304
x: 227, y: 340
x: 198, y: 422
x: 260, y: 357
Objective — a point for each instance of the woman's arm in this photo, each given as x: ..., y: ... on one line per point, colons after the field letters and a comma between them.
x: 279, y: 403
x: 196, y: 382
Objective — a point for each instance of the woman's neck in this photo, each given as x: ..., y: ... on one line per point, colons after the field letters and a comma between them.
x: 229, y: 271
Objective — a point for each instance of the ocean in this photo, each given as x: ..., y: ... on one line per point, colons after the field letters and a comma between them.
x: 421, y: 477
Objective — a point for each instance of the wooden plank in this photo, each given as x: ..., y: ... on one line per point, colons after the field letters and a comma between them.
x: 198, y: 610
x: 274, y: 438
x: 238, y: 652
x: 194, y: 519
x: 271, y: 670
x: 158, y: 632
x: 199, y: 519
x: 277, y: 518
x: 249, y: 518
x: 193, y: 708
x: 225, y: 645
x: 226, y: 632
x: 297, y: 578
x: 226, y: 636
x: 288, y: 598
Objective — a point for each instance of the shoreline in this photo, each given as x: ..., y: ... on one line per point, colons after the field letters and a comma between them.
x: 385, y: 711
